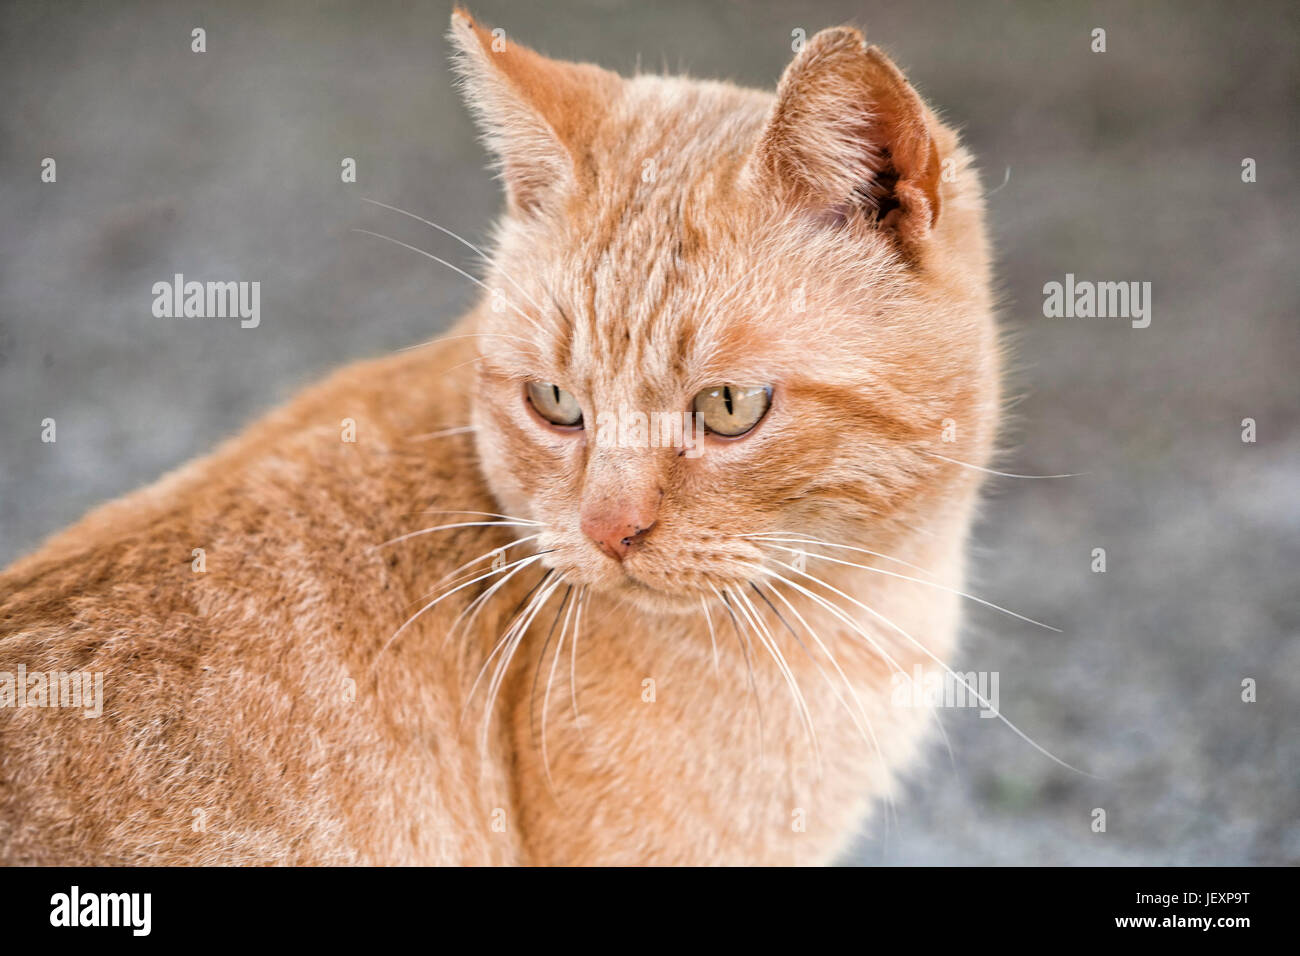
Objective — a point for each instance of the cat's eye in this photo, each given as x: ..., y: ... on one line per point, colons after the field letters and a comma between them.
x: 732, y: 410
x: 554, y: 404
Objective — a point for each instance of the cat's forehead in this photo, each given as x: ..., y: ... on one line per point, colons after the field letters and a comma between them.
x: 641, y: 316
x: 663, y: 267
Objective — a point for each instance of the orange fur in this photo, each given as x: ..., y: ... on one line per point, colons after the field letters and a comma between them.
x: 629, y: 725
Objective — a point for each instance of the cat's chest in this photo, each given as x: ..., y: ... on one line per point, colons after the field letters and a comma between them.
x: 772, y: 746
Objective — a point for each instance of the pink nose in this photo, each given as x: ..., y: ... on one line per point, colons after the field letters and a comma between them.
x: 617, y: 527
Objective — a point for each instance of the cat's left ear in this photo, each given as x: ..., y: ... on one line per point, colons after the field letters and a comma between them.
x: 849, y: 138
x: 537, y: 114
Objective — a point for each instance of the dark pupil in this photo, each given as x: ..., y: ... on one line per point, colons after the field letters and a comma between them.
x: 555, y: 389
x: 726, y: 397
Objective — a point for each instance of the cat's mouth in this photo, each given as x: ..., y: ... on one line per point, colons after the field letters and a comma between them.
x: 656, y: 588
x: 653, y: 597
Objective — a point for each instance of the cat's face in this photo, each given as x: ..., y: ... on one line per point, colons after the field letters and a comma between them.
x: 683, y: 352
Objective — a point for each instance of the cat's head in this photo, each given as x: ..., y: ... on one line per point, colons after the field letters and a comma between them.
x: 803, y: 275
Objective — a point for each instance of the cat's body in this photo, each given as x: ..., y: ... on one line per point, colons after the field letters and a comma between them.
x: 282, y: 705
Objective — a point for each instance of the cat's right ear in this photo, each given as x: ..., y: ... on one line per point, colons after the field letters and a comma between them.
x: 536, y: 114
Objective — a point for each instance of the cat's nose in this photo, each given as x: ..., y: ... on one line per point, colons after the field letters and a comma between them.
x: 616, y: 526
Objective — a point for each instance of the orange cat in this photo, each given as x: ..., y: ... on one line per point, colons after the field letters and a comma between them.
x: 618, y: 571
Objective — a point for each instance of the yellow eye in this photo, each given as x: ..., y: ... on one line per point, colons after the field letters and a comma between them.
x: 732, y: 410
x: 554, y: 404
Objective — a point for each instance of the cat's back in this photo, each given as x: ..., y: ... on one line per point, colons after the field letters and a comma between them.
x: 231, y: 616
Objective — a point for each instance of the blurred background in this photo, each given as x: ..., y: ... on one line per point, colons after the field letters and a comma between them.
x: 1122, y: 165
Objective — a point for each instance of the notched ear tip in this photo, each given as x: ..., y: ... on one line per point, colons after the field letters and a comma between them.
x: 460, y: 21
x: 842, y: 38
x: 461, y: 18
x: 469, y: 35
x: 461, y: 31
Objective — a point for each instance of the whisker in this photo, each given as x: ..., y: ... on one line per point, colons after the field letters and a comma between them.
x: 768, y: 641
x: 573, y: 657
x: 853, y: 625
x: 990, y: 471
x: 443, y: 597
x: 498, y: 678
x: 445, y: 433
x: 514, y: 617
x: 839, y: 614
x: 947, y: 744
x: 465, y: 335
x: 541, y: 659
x: 476, y: 606
x: 798, y: 537
x: 713, y: 639
x: 465, y: 242
x: 744, y: 650
x: 459, y: 365
x: 550, y: 680
x: 448, y: 527
x: 932, y: 584
x: 501, y: 550
x: 478, y: 282
x: 930, y: 654
x: 488, y: 514
x: 869, y: 732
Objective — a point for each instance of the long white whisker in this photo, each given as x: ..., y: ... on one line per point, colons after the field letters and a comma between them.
x: 503, y: 665
x: 990, y: 471
x: 448, y: 527
x: 947, y: 744
x: 744, y: 650
x: 446, y: 432
x: 546, y: 697
x: 853, y: 625
x: 713, y: 638
x: 476, y: 606
x: 573, y: 657
x: 487, y: 514
x: 541, y: 659
x: 463, y: 241
x: 443, y: 597
x: 869, y: 733
x: 524, y: 605
x: 766, y: 638
x: 450, y: 575
x: 517, y: 616
x: 465, y: 335
x: 840, y: 615
x: 930, y: 654
x: 835, y: 664
x: 429, y: 255
x: 931, y: 584
x: 798, y: 537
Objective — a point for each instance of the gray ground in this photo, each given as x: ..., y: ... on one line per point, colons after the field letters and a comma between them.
x: 1124, y: 165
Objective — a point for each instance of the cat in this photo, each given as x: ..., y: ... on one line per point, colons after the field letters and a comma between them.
x: 428, y: 613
